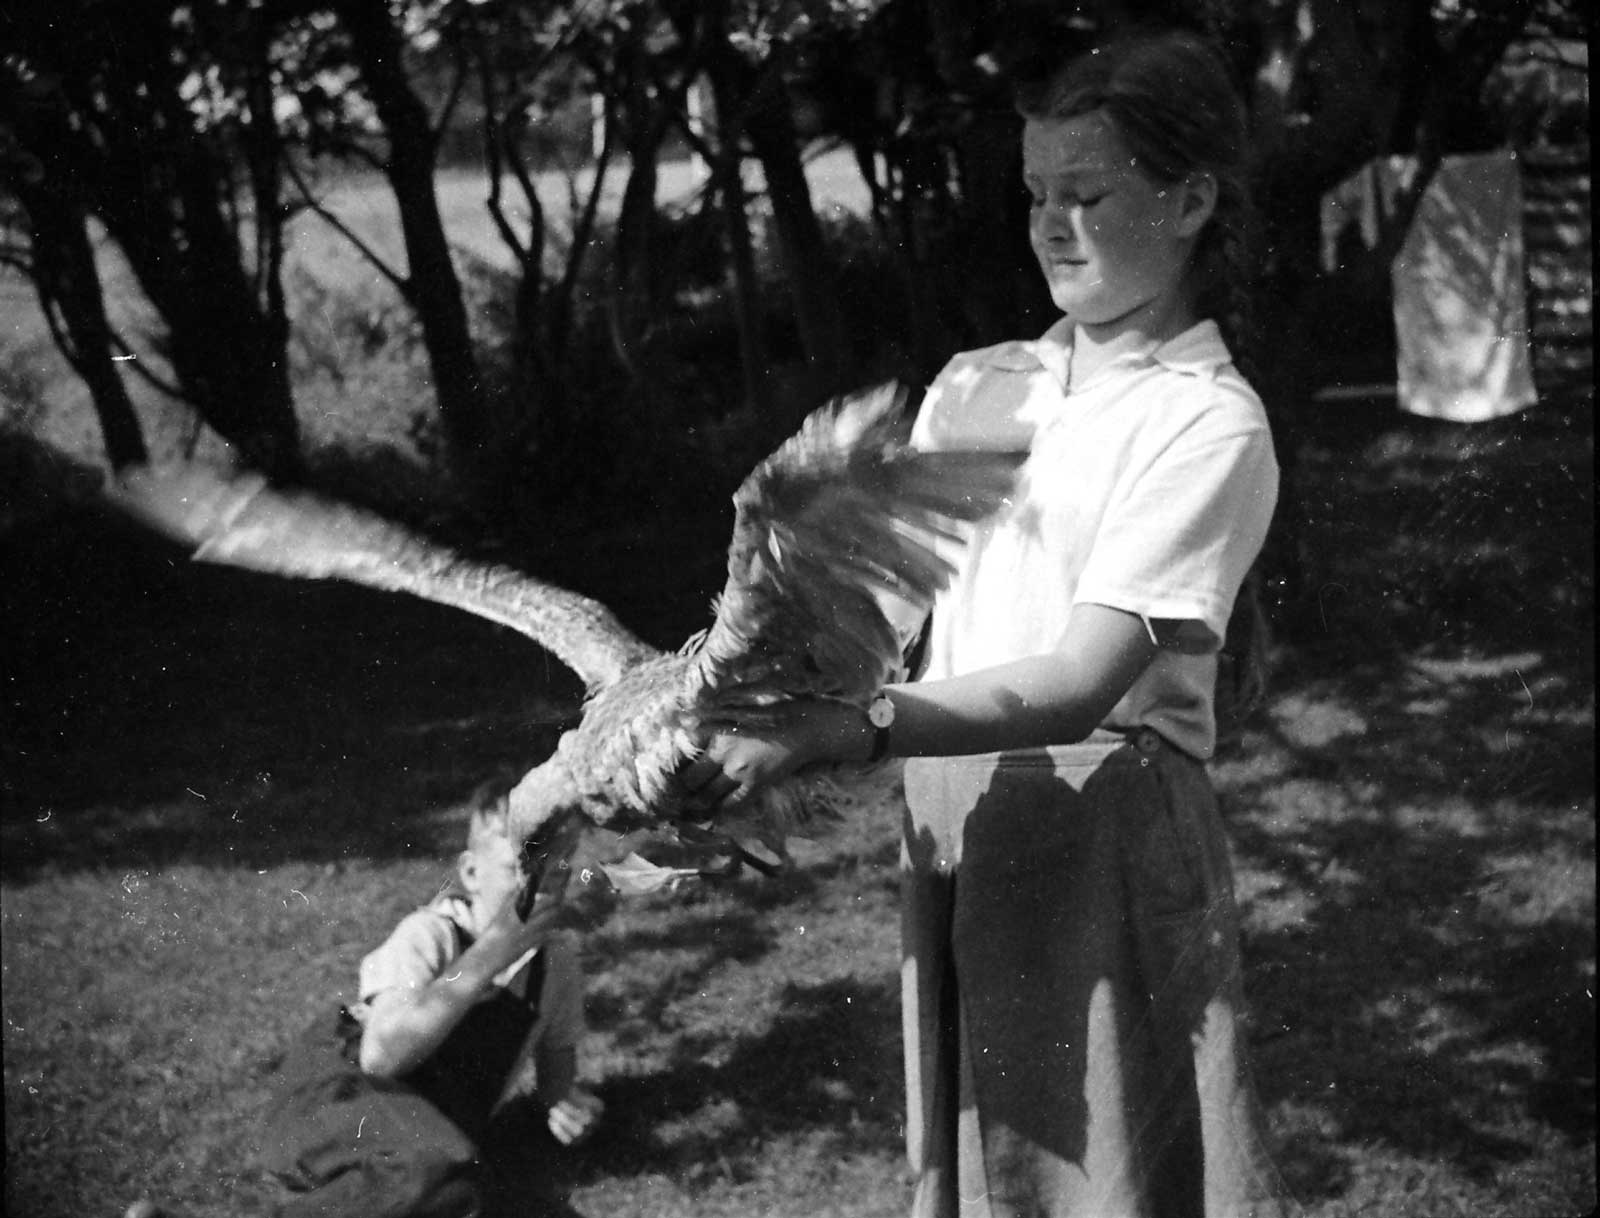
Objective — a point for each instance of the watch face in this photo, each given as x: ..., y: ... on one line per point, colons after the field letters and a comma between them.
x: 881, y: 712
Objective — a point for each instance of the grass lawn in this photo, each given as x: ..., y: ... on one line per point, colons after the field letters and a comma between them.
x: 221, y: 789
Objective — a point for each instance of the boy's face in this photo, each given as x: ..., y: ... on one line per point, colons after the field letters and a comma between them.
x: 490, y: 871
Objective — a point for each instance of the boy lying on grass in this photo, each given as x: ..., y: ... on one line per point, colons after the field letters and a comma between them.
x: 385, y: 1107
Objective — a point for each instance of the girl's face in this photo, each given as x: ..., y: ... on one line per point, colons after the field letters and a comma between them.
x: 1113, y: 242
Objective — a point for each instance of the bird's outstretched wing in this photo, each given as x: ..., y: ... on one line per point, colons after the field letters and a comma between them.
x: 242, y: 521
x: 844, y: 520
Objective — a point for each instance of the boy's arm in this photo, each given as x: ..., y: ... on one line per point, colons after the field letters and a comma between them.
x: 405, y: 1025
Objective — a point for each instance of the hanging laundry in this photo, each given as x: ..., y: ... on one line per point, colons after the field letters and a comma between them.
x: 1460, y: 307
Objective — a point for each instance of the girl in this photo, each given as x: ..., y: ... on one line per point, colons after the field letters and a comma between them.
x: 1071, y: 967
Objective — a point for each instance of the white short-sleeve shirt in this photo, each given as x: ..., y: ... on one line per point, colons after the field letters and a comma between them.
x: 1148, y: 489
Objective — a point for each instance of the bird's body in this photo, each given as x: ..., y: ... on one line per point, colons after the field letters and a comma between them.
x: 841, y: 521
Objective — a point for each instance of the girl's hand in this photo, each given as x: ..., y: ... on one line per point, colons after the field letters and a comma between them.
x: 736, y: 766
x: 739, y: 763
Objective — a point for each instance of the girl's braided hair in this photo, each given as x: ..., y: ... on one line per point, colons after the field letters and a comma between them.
x: 1169, y: 95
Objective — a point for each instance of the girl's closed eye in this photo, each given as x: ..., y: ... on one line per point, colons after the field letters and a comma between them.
x: 1067, y: 199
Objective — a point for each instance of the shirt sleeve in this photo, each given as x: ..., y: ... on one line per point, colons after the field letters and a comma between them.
x: 1180, y: 532
x: 413, y: 955
x: 980, y: 400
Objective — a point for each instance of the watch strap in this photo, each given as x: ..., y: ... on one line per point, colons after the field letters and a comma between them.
x: 880, y: 745
x: 880, y: 716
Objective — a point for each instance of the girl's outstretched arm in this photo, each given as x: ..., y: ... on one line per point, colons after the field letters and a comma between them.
x: 1056, y: 697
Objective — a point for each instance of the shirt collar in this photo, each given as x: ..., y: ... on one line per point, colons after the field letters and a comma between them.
x: 1198, y: 351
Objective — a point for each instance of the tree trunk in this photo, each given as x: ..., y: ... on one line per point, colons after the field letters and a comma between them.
x: 229, y: 347
x: 68, y: 282
x: 132, y: 159
x: 227, y: 353
x: 744, y: 286
x: 744, y: 283
x: 434, y: 289
x: 644, y: 120
x: 636, y: 270
x: 812, y: 278
x: 63, y: 269
x: 436, y: 295
x: 263, y: 143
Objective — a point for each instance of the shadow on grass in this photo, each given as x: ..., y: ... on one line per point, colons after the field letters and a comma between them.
x: 1433, y: 535
x: 829, y: 1063
x: 1417, y: 810
x: 707, y: 937
x: 162, y: 711
x: 1410, y: 1005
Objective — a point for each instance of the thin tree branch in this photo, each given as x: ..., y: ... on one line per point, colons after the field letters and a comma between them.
x: 519, y: 171
x: 141, y: 369
x: 60, y: 333
x: 402, y: 283
x: 494, y: 152
x: 582, y: 230
x: 501, y: 151
x: 343, y: 146
x: 453, y: 98
x: 361, y: 152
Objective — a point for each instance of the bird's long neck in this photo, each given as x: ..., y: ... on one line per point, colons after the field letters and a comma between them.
x: 544, y: 792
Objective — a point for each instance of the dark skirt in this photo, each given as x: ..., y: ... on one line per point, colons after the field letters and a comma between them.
x: 1071, y: 990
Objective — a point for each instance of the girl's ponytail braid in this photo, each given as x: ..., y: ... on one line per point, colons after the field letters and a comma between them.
x: 1226, y: 263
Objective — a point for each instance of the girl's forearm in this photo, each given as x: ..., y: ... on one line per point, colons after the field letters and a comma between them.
x: 1055, y: 698
x: 982, y: 713
x: 1032, y: 703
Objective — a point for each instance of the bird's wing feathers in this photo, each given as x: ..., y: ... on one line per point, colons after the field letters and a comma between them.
x: 243, y: 522
x: 842, y: 517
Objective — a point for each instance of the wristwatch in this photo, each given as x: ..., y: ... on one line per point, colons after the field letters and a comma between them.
x: 880, y: 714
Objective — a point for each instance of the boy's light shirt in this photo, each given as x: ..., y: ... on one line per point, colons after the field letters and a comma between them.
x: 1148, y: 489
x: 424, y: 944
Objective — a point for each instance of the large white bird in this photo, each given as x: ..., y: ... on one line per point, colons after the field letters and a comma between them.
x: 842, y: 521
